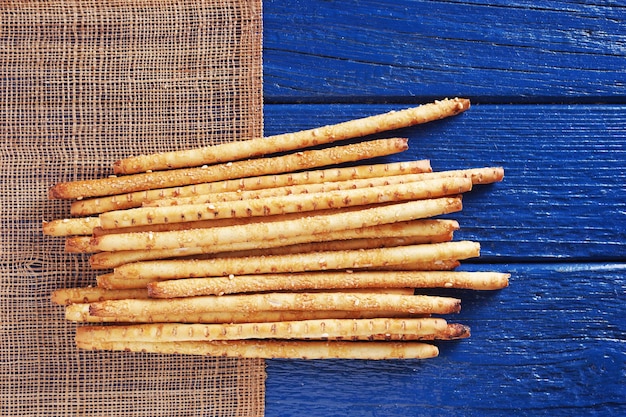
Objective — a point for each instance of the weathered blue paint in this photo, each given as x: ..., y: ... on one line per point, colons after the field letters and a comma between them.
x: 548, y: 83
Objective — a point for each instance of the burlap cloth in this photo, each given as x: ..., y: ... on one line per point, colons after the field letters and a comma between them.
x: 84, y: 83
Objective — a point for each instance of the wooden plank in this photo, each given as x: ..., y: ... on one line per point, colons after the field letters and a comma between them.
x: 563, y: 197
x: 549, y: 344
x: 523, y: 51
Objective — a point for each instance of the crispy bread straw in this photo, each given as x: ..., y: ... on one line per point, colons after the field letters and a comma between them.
x: 291, y: 141
x: 416, y: 231
x: 279, y: 301
x: 110, y: 281
x: 420, y: 227
x: 79, y: 244
x: 230, y: 170
x: 70, y: 227
x: 278, y: 349
x: 334, y: 245
x: 80, y: 313
x: 477, y: 176
x: 204, y: 224
x: 66, y: 296
x: 272, y: 206
x: 436, y: 265
x: 327, y: 280
x: 108, y: 260
x: 91, y: 206
x: 331, y: 329
x: 281, y: 229
x: 329, y: 260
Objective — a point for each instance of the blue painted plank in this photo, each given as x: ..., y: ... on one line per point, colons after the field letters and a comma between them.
x: 563, y: 197
x: 551, y: 344
x: 495, y: 51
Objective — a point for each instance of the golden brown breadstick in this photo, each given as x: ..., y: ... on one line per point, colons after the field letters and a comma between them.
x: 477, y: 176
x: 327, y: 280
x: 436, y: 265
x: 290, y: 141
x: 286, y: 204
x: 70, y: 227
x: 91, y: 206
x: 486, y: 175
x: 329, y: 260
x: 65, y: 296
x: 239, y: 169
x: 274, y: 349
x: 79, y: 244
x: 203, y: 224
x: 271, y: 230
x: 109, y: 281
x: 80, y: 313
x: 416, y: 231
x: 107, y: 260
x: 322, y: 329
x: 344, y: 301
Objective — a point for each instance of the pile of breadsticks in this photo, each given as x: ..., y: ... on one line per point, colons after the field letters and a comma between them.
x: 286, y: 246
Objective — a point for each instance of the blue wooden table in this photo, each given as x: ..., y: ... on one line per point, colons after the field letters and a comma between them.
x: 547, y: 80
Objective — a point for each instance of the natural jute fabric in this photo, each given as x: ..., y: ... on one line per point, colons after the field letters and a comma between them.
x: 83, y: 83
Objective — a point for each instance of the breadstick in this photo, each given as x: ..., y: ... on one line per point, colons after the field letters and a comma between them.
x: 345, y: 301
x: 327, y: 280
x: 290, y: 141
x: 273, y: 349
x: 79, y: 244
x: 80, y: 313
x: 110, y: 281
x: 477, y: 176
x: 70, y: 227
x: 86, y: 207
x: 416, y: 231
x: 108, y: 260
x: 487, y: 175
x: 436, y: 265
x: 65, y: 296
x: 272, y: 230
x: 254, y: 167
x: 329, y: 260
x: 328, y: 329
x: 203, y: 224
x: 435, y: 230
x: 286, y: 204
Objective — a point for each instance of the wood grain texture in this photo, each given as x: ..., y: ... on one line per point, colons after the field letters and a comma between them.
x: 496, y: 51
x: 563, y: 195
x: 549, y: 344
x: 548, y: 87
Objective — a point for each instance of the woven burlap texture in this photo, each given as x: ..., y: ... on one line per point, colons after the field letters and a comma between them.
x: 85, y: 83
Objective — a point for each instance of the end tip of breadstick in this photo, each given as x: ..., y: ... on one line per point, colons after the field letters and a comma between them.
x: 57, y: 299
x: 102, y: 281
x: 48, y: 227
x: 504, y: 281
x: 462, y: 104
x: 154, y: 290
x: 53, y: 193
x: 498, y: 173
x: 459, y: 104
x: 96, y: 309
x: 459, y: 331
